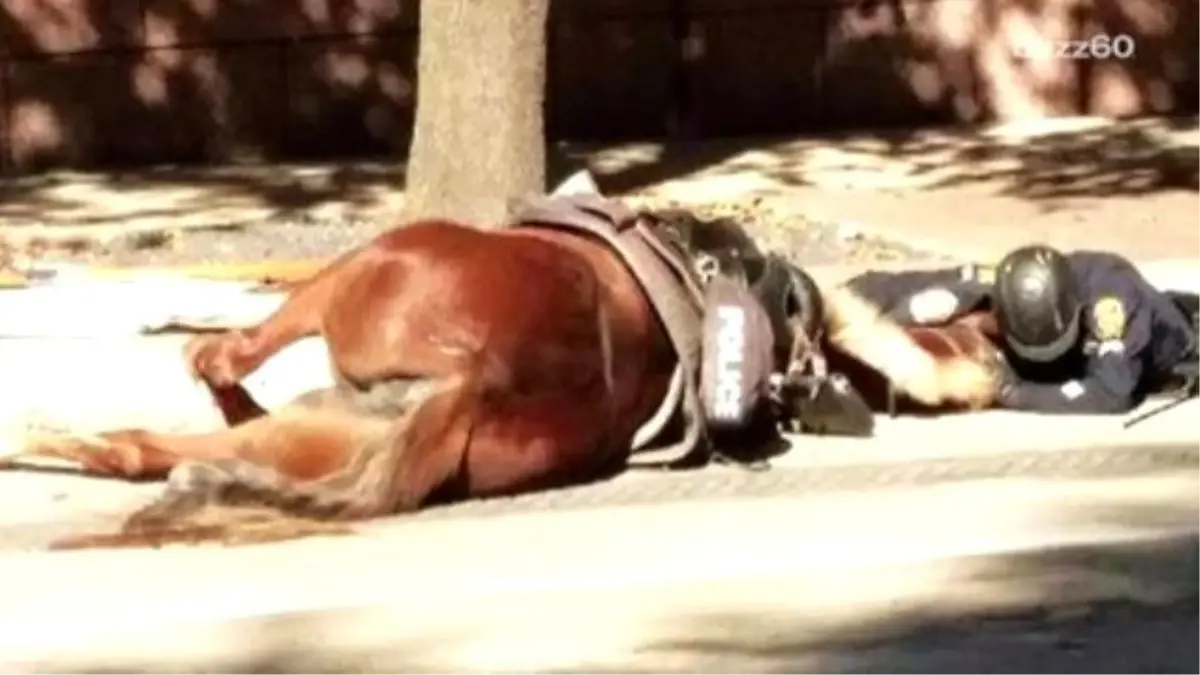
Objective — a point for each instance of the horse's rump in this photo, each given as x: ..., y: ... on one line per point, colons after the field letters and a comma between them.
x: 545, y: 330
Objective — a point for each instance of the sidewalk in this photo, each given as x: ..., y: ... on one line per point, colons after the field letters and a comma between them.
x: 1073, y: 182
x: 638, y: 588
x: 1125, y: 186
x: 634, y: 575
x: 716, y: 570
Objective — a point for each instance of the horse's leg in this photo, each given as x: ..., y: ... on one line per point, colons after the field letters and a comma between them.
x: 358, y: 464
x: 148, y: 454
x: 269, y: 461
x: 220, y: 361
x: 345, y: 458
x: 223, y: 359
x: 332, y: 454
x: 235, y: 404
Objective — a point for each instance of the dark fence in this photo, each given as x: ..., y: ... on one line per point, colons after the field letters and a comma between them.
x: 107, y: 83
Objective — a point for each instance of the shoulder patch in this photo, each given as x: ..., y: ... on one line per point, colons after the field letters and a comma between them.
x: 1108, y: 318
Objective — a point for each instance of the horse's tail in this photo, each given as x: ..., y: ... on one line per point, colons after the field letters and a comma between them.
x: 359, y: 464
x: 951, y: 366
x: 222, y: 527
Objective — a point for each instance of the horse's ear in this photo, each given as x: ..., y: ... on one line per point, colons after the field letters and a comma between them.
x: 579, y: 183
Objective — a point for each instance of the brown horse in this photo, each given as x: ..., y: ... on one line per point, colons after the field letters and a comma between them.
x: 467, y: 363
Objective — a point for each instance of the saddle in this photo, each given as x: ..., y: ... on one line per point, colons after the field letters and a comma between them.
x: 731, y: 314
x: 674, y: 292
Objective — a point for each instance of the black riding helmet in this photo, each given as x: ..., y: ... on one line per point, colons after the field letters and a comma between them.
x: 1037, y: 303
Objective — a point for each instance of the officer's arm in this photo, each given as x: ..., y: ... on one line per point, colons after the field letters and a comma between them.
x: 1113, y: 373
x: 889, y: 288
x: 922, y: 297
x: 938, y: 305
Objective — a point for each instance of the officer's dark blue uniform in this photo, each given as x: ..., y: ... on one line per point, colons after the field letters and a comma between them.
x: 1134, y: 335
x: 899, y: 295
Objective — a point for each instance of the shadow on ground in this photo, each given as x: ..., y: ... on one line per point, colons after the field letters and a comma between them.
x: 176, y: 192
x: 1093, y: 159
x: 1088, y: 607
x: 220, y: 82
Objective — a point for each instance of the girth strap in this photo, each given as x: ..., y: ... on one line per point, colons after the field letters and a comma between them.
x: 672, y: 292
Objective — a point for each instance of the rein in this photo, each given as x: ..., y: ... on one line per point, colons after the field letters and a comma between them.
x: 726, y: 328
x: 802, y: 394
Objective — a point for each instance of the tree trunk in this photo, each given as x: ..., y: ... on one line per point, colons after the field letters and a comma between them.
x: 478, y: 141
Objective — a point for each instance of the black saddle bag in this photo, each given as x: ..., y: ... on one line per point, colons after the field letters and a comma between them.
x: 736, y: 356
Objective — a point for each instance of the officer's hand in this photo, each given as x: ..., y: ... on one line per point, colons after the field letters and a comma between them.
x: 1009, y: 381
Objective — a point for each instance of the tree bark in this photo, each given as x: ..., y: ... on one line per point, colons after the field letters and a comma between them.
x: 478, y: 140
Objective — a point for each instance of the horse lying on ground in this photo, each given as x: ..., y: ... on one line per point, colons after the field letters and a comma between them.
x: 469, y: 363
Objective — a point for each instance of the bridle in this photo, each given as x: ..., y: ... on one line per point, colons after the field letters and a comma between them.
x: 804, y: 396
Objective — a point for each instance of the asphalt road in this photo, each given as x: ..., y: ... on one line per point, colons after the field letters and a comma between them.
x: 44, y: 505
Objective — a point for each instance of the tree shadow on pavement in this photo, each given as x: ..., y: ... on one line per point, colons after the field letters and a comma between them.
x: 1095, y: 605
x: 1092, y: 607
x: 186, y: 196
x: 114, y: 84
x: 1096, y: 159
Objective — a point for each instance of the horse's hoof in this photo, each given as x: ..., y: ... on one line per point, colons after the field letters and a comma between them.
x: 220, y: 360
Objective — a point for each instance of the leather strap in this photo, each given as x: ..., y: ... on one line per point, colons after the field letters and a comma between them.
x: 672, y: 292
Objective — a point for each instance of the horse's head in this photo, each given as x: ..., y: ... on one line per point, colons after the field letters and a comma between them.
x: 793, y: 303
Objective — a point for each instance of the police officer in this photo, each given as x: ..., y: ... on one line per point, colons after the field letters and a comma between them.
x: 1084, y: 332
x: 926, y: 297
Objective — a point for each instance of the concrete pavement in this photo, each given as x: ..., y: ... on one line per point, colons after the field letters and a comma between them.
x: 1125, y: 185
x: 638, y: 574
x: 1128, y: 186
x: 638, y: 588
x: 828, y: 563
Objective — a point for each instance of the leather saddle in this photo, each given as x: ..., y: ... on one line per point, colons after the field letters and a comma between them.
x: 809, y: 396
x: 722, y: 247
x: 674, y: 292
x: 676, y: 258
